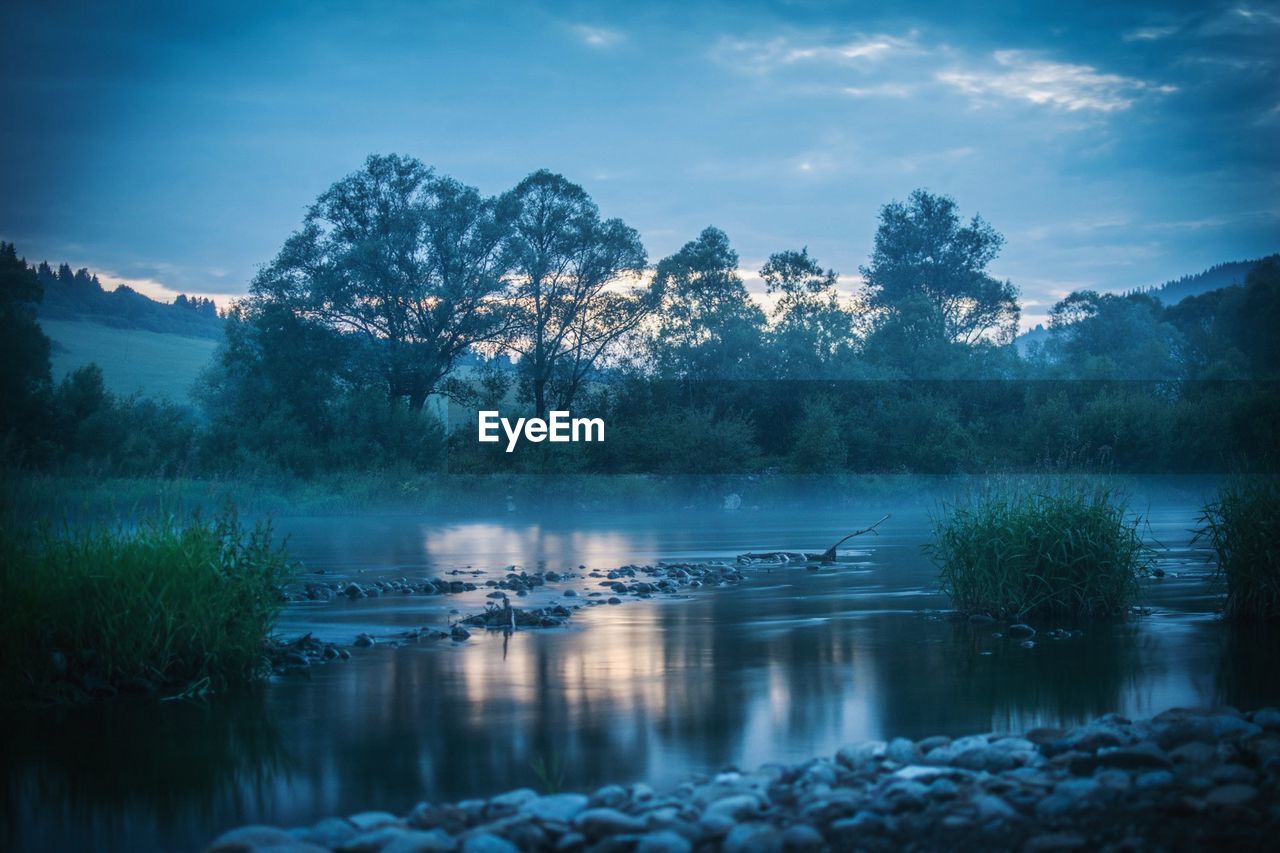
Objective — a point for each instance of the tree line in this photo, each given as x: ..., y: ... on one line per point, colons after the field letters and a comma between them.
x: 399, y: 277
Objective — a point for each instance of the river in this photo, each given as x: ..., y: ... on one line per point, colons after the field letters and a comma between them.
x: 789, y: 664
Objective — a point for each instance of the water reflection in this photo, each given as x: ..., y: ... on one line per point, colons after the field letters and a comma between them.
x: 789, y: 665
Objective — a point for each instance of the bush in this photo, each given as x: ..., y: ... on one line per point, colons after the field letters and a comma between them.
x: 1242, y: 527
x: 163, y: 605
x: 1020, y: 554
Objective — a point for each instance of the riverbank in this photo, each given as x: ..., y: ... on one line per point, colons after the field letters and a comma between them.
x: 1185, y: 779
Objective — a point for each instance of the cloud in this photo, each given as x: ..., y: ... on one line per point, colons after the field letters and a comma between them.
x: 880, y: 90
x: 1150, y: 33
x: 767, y: 56
x: 600, y: 38
x: 1019, y: 75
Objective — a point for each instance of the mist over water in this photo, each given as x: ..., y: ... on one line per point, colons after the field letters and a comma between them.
x: 788, y: 665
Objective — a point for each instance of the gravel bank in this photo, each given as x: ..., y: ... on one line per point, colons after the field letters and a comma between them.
x: 1186, y: 779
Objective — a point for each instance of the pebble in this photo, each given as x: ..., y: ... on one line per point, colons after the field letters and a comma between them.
x: 1110, y: 784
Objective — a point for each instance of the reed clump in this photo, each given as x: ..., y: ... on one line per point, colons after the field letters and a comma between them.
x: 1024, y: 553
x: 164, y: 607
x: 1242, y: 526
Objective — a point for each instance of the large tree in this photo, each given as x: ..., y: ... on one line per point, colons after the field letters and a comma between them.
x: 403, y: 259
x: 923, y: 251
x: 811, y: 332
x: 576, y: 291
x: 708, y: 326
x: 1105, y: 336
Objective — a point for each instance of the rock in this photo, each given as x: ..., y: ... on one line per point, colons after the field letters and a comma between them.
x: 1068, y: 797
x: 853, y: 831
x: 1233, y: 774
x: 504, y: 805
x: 1194, y: 754
x: 1153, y: 780
x: 459, y: 634
x: 484, y: 842
x: 991, y: 807
x: 715, y: 826
x: 901, y: 751
x: 372, y: 842
x: 248, y: 839
x: 418, y: 841
x: 859, y: 755
x: 1055, y: 841
x: 932, y: 743
x: 1020, y: 631
x: 609, y: 796
x: 802, y: 838
x: 555, y: 808
x: 752, y: 837
x: 739, y: 807
x: 1179, y: 726
x: 663, y: 842
x: 1231, y: 796
x: 599, y: 822
x: 368, y: 821
x: 1120, y: 759
x: 1267, y: 718
x: 330, y: 832
x: 363, y: 641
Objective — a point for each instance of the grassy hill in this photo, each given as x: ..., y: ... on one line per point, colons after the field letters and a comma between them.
x: 157, y: 364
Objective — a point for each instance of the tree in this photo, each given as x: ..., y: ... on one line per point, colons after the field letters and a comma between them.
x: 24, y: 349
x: 1105, y: 336
x: 708, y: 326
x: 406, y: 261
x: 923, y: 250
x: 811, y: 333
x: 570, y: 297
x: 1259, y: 317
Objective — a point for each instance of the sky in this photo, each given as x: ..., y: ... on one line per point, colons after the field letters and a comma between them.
x: 175, y: 146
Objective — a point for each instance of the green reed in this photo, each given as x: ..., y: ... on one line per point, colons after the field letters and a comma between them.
x: 1018, y: 553
x: 1242, y: 525
x: 171, y: 604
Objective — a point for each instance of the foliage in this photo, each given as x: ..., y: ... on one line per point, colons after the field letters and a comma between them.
x: 924, y: 252
x: 1242, y: 526
x: 811, y: 335
x: 403, y: 261
x: 1016, y: 553
x: 24, y: 349
x: 564, y: 259
x: 169, y: 603
x: 708, y: 327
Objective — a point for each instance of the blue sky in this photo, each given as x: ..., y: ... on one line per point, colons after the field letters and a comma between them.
x: 175, y: 146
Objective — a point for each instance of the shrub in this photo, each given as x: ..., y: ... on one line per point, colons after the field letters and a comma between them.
x: 164, y: 605
x: 1242, y: 527
x: 1017, y: 553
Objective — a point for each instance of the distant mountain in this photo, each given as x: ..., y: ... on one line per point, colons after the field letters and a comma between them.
x: 80, y: 295
x: 1214, y: 278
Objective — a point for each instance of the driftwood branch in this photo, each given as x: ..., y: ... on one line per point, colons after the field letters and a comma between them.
x: 829, y: 556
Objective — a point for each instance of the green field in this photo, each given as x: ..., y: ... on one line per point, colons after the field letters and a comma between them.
x: 155, y: 364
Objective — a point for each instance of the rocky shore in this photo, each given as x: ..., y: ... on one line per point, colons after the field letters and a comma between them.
x: 1187, y: 779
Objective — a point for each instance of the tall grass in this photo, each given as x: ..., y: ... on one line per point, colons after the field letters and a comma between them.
x: 1018, y: 553
x: 1243, y: 527
x: 168, y: 605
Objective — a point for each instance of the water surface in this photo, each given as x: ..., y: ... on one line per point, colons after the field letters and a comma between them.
x: 788, y: 665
